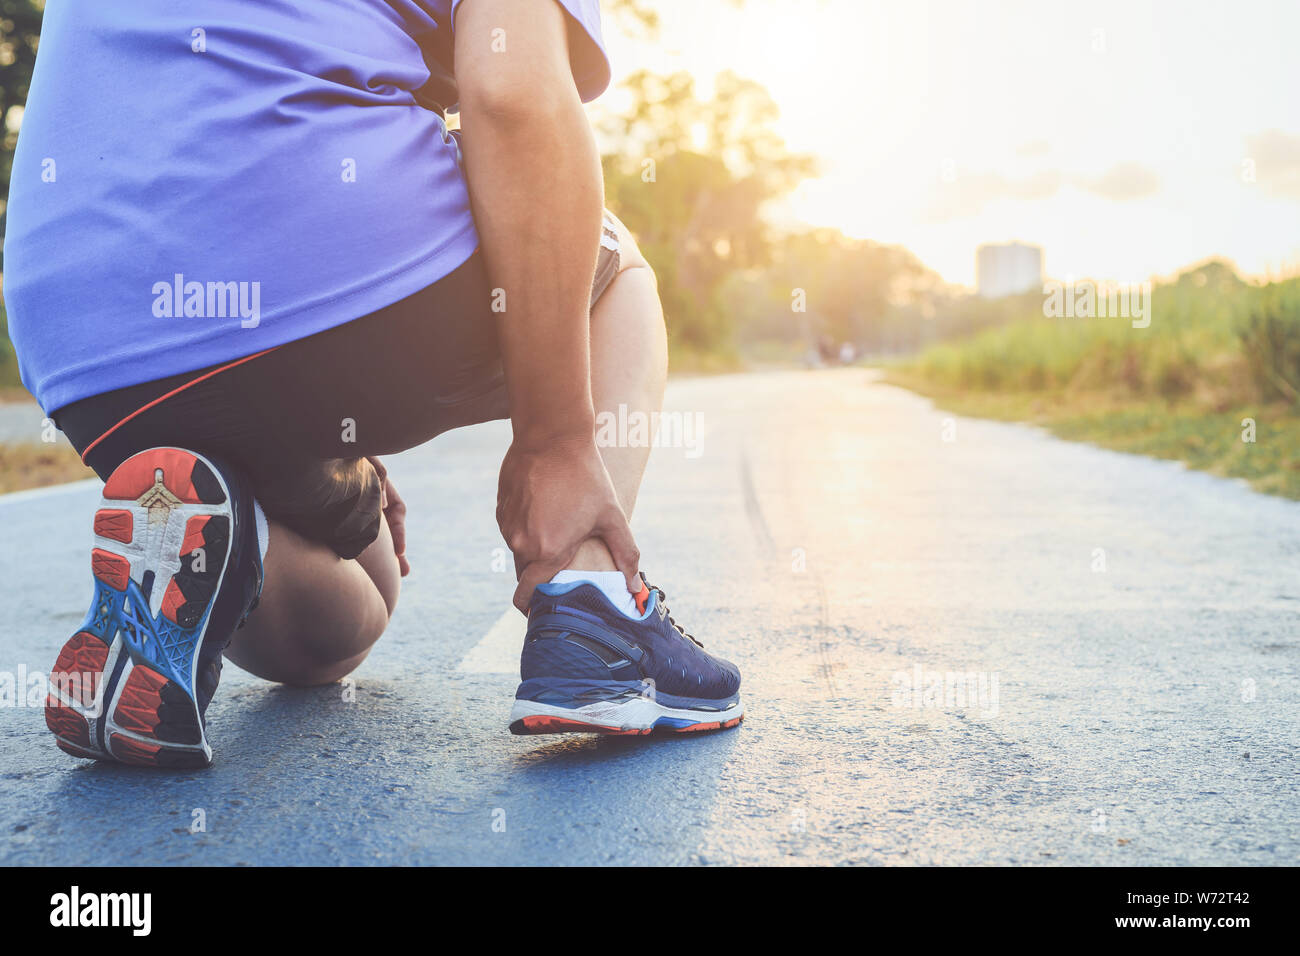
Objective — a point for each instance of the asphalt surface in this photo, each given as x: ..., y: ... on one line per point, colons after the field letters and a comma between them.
x: 1129, y: 629
x: 23, y: 422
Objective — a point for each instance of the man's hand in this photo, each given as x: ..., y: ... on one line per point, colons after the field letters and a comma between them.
x: 550, y: 501
x: 394, y: 509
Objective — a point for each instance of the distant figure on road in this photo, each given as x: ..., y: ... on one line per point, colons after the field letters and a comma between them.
x: 826, y: 349
x: 245, y: 256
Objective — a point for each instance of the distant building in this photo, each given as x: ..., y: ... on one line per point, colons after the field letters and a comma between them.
x: 1007, y: 268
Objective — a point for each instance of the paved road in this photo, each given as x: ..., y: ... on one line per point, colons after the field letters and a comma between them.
x: 1139, y: 622
x: 22, y: 421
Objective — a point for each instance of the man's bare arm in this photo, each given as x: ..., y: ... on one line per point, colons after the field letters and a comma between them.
x: 535, y: 185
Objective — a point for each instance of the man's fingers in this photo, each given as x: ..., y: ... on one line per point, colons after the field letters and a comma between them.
x: 398, y: 529
x: 537, y: 571
x: 396, y: 513
x: 381, y: 471
x: 533, y: 575
x: 622, y: 547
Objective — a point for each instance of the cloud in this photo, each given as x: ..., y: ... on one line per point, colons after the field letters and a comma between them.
x: 969, y: 193
x: 1275, y: 156
x: 1123, y: 181
x: 1035, y: 147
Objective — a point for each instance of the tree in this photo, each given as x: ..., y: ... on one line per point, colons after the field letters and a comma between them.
x: 690, y: 178
x: 20, y: 30
x: 878, y: 297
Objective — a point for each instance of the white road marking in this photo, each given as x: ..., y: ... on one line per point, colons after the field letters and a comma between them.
x: 497, y: 652
x: 14, y: 497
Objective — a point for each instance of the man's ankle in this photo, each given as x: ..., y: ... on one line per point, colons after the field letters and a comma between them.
x: 593, y: 555
x: 612, y: 584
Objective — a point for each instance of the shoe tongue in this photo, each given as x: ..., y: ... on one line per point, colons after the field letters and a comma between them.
x: 641, y: 598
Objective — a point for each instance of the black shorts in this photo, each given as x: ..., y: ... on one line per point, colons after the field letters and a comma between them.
x: 300, y: 419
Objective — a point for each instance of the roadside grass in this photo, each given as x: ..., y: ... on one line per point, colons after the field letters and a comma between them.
x: 1205, y: 440
x: 36, y: 465
x: 1218, y: 351
x: 25, y: 465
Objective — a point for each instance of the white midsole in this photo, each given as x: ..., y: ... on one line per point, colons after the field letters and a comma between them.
x: 633, y: 713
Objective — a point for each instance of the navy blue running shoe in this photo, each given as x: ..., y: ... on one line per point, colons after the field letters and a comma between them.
x: 177, y: 569
x: 589, y: 668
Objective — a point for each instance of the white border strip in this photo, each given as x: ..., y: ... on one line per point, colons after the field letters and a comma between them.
x: 497, y: 652
x: 52, y: 491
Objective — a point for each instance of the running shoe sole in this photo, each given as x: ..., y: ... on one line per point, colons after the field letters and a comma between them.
x: 123, y: 687
x: 631, y: 716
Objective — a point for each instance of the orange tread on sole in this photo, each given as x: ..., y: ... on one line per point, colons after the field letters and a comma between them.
x: 137, y: 706
x: 113, y: 569
x: 115, y: 524
x: 136, y: 475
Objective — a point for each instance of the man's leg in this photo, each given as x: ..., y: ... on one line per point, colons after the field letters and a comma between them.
x: 319, y: 614
x: 596, y: 660
x: 629, y: 365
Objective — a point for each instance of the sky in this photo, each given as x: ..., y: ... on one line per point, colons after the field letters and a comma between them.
x: 1127, y: 139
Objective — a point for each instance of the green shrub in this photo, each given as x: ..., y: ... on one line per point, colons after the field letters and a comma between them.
x: 1207, y: 328
x: 1270, y: 341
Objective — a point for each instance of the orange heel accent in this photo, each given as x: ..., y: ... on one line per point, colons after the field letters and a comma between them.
x: 136, y: 475
x: 641, y: 597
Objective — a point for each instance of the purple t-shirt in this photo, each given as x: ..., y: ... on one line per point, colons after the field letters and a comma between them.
x: 196, y: 182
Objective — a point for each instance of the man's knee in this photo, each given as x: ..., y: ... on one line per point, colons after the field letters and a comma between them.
x: 629, y: 253
x: 297, y: 664
x: 335, y: 502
